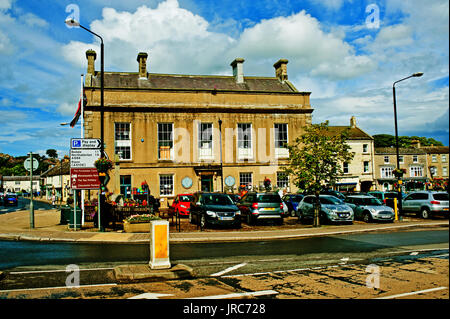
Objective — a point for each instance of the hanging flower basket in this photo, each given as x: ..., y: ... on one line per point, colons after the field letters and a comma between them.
x: 103, y: 165
x: 399, y: 172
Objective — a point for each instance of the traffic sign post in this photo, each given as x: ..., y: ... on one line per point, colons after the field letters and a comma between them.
x: 30, y: 165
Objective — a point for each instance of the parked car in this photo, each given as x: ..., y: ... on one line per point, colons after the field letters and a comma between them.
x: 332, y: 209
x: 384, y: 196
x: 181, y: 204
x: 256, y: 206
x: 369, y: 208
x: 292, y: 201
x: 426, y: 203
x: 214, y: 209
x: 333, y: 193
x: 10, y: 199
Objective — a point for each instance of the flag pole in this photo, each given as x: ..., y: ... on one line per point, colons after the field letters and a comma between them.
x: 82, y: 136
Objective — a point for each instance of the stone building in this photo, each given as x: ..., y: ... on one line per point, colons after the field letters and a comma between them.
x: 359, y: 173
x: 183, y: 133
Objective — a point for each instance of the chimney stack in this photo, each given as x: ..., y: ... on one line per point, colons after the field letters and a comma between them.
x: 238, y: 69
x: 91, y: 56
x: 142, y: 59
x: 352, y: 121
x: 281, y: 69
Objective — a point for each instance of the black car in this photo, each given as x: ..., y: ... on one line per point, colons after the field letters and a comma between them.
x: 258, y: 206
x: 214, y: 209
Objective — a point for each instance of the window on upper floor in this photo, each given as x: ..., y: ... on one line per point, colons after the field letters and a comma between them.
x: 205, y: 141
x: 244, y: 140
x: 386, y: 159
x: 165, y: 141
x: 365, y: 148
x: 434, y: 158
x: 415, y: 159
x: 122, y: 140
x: 444, y: 158
x: 281, y: 140
x: 366, y: 167
x: 345, y: 168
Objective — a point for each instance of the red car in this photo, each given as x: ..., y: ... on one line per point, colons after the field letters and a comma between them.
x: 181, y: 204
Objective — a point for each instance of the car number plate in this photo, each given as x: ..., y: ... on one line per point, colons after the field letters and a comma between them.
x: 445, y: 208
x: 270, y: 208
x: 226, y: 218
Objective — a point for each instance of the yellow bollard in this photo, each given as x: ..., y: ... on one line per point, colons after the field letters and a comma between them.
x: 395, y: 209
x: 159, y: 244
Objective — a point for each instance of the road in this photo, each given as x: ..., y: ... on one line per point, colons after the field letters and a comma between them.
x: 24, y: 203
x: 333, y: 267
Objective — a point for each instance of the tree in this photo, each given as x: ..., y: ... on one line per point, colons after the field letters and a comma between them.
x: 316, y: 158
x: 52, y: 153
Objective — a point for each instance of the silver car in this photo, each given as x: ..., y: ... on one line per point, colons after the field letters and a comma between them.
x: 332, y: 209
x: 426, y: 203
x: 369, y: 208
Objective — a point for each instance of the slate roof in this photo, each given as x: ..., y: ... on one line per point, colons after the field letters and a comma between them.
x: 193, y: 82
x: 354, y: 133
x: 56, y: 170
x: 435, y: 149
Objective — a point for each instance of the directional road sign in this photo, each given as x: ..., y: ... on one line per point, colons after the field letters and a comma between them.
x: 84, y: 178
x: 85, y: 143
x: 83, y: 158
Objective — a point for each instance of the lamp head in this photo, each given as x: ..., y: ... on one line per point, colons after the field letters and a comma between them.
x: 418, y: 74
x: 72, y: 22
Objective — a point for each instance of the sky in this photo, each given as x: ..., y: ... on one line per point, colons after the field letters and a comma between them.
x: 347, y: 53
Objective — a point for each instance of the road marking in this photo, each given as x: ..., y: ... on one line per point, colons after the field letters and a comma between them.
x: 57, y: 270
x: 242, y: 294
x: 62, y: 287
x: 414, y: 253
x: 220, y: 273
x: 150, y: 295
x: 413, y: 293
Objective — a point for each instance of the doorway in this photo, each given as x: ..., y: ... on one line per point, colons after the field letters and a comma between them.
x: 206, y: 183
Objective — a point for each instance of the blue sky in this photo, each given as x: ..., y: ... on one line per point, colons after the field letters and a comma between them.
x: 346, y: 52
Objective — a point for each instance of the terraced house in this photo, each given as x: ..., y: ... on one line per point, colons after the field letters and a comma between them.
x: 183, y: 133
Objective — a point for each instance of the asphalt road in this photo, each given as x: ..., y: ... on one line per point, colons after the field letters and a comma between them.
x: 24, y: 203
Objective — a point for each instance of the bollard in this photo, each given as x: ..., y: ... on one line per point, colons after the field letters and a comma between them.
x: 159, y: 244
x: 395, y: 209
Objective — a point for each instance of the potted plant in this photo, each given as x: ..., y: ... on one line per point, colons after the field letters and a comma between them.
x: 138, y: 223
x: 398, y: 172
x: 267, y: 184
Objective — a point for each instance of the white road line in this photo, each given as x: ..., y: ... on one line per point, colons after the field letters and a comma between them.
x: 62, y: 287
x: 56, y: 270
x: 242, y: 294
x: 220, y: 273
x: 413, y: 293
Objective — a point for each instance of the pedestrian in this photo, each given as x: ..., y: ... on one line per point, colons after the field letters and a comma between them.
x: 53, y: 199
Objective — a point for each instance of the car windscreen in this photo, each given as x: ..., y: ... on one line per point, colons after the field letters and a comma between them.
x: 217, y: 199
x: 268, y: 198
x: 331, y: 200
x: 186, y: 198
x: 440, y: 196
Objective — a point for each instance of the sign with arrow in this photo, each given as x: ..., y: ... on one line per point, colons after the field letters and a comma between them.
x: 85, y: 143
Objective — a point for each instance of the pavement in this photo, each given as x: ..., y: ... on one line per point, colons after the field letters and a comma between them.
x: 16, y: 226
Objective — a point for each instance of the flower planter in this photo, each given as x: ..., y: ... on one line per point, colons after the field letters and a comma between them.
x: 136, y: 227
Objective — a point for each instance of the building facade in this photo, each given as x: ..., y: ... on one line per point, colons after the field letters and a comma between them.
x: 56, y: 181
x: 359, y: 173
x: 16, y: 184
x: 184, y: 133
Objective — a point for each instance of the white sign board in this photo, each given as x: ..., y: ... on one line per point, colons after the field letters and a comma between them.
x: 85, y: 143
x: 83, y: 158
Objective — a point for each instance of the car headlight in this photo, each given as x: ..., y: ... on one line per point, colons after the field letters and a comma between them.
x: 182, y: 206
x: 238, y: 212
x: 210, y: 213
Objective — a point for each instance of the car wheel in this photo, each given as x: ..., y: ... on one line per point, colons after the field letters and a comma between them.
x: 323, y: 220
x: 292, y: 213
x: 367, y: 217
x: 425, y: 213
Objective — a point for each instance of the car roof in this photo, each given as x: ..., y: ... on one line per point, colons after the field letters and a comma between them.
x: 360, y: 196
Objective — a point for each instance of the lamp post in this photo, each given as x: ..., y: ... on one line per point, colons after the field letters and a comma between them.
x: 221, y: 161
x: 399, y: 197
x: 74, y: 23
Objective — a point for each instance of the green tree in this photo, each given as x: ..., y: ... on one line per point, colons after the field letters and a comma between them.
x: 52, y: 153
x: 316, y: 158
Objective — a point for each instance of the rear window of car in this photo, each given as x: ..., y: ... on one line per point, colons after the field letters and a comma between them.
x: 215, y: 199
x: 331, y: 200
x: 442, y: 196
x: 268, y: 198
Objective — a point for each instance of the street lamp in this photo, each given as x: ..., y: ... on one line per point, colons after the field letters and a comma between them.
x: 75, y: 23
x: 221, y: 160
x: 419, y: 74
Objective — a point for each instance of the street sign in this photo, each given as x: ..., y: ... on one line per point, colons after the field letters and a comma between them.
x: 84, y: 178
x: 83, y: 158
x: 85, y: 143
x: 27, y: 164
